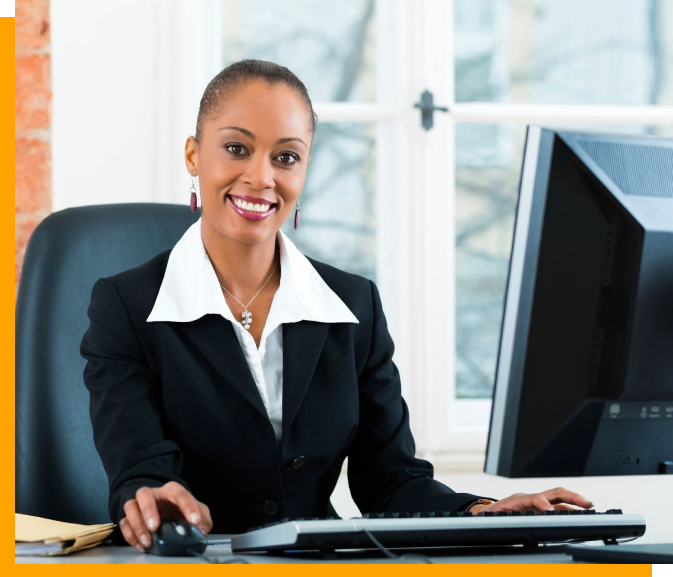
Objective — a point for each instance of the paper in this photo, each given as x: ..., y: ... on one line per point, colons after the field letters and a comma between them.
x: 40, y: 536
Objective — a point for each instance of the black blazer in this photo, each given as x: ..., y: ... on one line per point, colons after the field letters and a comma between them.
x: 174, y: 401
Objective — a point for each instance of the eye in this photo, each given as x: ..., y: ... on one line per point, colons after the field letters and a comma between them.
x: 234, y: 145
x: 291, y: 155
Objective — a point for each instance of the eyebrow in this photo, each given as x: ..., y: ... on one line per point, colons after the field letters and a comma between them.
x: 251, y: 135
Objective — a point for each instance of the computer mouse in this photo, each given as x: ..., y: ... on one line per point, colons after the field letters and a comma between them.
x: 175, y: 536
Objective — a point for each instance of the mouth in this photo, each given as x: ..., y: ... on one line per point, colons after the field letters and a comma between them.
x: 250, y: 207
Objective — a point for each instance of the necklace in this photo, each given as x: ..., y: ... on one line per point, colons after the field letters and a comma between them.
x: 247, y: 315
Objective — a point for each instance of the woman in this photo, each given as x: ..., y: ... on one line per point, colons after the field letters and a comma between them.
x: 231, y: 376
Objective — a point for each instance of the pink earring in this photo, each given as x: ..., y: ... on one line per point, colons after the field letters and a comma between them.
x: 296, y: 215
x: 192, y: 200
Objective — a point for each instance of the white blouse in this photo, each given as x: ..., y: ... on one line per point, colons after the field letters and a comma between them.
x: 190, y: 289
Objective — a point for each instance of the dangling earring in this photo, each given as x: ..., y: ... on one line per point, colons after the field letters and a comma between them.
x: 192, y: 200
x: 296, y: 215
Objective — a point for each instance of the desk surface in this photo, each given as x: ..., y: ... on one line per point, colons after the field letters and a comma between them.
x: 108, y: 553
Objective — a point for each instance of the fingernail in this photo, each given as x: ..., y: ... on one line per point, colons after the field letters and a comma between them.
x: 146, y: 540
x: 194, y: 517
x: 151, y: 523
x: 140, y: 547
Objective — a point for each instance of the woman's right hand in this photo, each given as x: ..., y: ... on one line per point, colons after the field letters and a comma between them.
x: 172, y: 500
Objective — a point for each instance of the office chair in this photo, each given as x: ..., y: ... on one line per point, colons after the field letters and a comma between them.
x: 59, y: 474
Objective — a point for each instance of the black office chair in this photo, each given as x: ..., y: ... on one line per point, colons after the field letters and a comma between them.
x: 59, y: 474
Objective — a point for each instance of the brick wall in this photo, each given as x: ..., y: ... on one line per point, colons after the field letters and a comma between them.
x: 33, y: 99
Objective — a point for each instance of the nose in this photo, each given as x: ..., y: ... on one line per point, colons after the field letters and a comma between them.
x: 259, y: 173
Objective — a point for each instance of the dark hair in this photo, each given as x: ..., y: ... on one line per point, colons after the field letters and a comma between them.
x: 243, y: 71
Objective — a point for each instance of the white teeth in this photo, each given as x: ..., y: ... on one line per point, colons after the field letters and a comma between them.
x: 250, y: 206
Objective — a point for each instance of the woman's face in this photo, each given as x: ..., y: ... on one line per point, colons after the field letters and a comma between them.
x: 255, y: 149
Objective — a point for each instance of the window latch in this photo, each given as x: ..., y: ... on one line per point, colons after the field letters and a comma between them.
x: 428, y: 108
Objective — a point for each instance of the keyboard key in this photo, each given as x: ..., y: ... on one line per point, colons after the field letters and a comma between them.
x: 613, y: 512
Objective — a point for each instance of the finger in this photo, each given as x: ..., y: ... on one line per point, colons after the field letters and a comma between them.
x: 188, y: 505
x: 537, y: 501
x: 129, y: 535
x: 148, y: 507
x: 566, y: 506
x: 561, y: 495
x: 206, y: 523
x: 137, y: 522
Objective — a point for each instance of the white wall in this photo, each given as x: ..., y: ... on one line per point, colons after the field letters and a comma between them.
x: 127, y: 80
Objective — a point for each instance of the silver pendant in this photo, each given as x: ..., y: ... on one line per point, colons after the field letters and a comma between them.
x: 247, y: 319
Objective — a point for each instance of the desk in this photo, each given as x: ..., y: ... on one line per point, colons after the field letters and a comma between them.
x: 632, y: 494
x: 108, y: 553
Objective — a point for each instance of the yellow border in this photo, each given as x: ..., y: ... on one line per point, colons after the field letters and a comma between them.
x: 7, y: 169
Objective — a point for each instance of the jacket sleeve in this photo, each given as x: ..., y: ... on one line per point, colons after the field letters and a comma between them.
x: 124, y: 406
x: 383, y: 473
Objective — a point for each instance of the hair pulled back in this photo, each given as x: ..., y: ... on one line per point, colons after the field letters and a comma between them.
x: 236, y: 74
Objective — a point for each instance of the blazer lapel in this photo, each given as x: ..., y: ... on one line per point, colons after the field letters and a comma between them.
x: 303, y: 342
x: 214, y: 337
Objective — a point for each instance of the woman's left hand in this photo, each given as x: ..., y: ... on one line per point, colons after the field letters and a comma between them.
x: 558, y: 498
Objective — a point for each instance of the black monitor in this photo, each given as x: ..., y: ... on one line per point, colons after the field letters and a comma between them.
x: 584, y: 379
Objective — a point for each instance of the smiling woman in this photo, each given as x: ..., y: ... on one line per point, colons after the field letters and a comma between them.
x: 267, y: 109
x: 200, y: 413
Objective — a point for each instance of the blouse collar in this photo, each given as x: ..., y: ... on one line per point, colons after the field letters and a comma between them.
x: 190, y: 288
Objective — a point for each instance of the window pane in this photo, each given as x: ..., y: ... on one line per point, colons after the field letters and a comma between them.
x: 564, y: 51
x: 488, y: 166
x: 337, y: 218
x: 330, y: 46
x: 488, y: 159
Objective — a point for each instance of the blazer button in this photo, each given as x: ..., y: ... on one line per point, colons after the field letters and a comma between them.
x: 299, y: 462
x: 270, y: 507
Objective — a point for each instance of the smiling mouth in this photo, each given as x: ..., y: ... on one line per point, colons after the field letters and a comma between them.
x: 252, y: 204
x: 251, y: 210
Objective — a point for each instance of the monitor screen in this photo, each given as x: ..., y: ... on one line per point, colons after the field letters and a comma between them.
x: 584, y: 381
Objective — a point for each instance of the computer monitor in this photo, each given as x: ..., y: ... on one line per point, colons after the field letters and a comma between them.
x: 584, y: 378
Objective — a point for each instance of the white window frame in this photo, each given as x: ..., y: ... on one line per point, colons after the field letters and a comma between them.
x: 416, y: 258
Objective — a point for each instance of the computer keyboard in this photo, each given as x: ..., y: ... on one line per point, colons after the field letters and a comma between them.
x: 441, y: 528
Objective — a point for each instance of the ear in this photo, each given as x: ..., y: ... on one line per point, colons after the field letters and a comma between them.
x: 192, y: 156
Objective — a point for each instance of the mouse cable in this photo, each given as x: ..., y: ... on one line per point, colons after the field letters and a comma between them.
x: 211, y: 560
x: 388, y: 553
